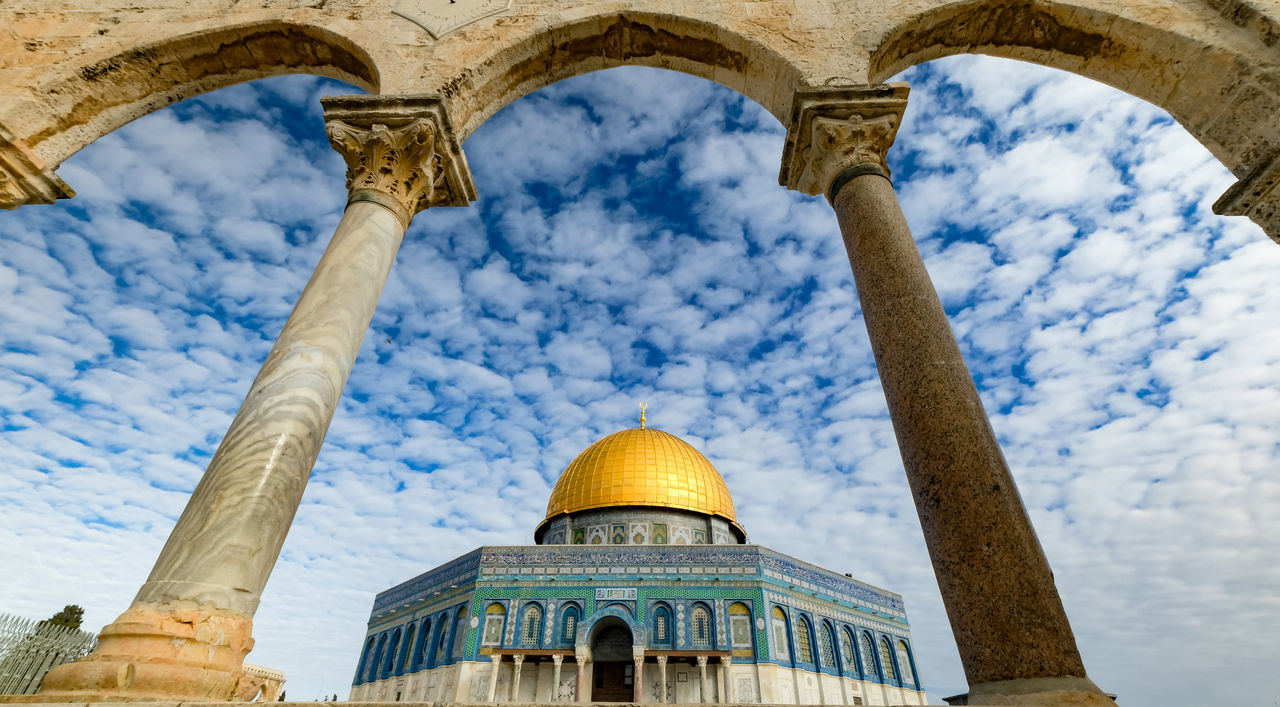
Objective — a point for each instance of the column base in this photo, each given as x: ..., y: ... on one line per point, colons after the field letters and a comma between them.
x: 1042, y: 692
x: 171, y: 652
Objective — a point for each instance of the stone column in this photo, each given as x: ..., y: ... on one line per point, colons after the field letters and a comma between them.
x: 189, y: 627
x: 555, y: 677
x: 662, y: 678
x: 581, y: 691
x: 704, y: 687
x: 1014, y: 639
x: 515, y: 677
x: 637, y: 680
x: 496, y: 660
x: 724, y: 684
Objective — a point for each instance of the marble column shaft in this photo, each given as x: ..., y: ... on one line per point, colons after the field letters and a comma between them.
x: 637, y: 681
x: 1004, y: 608
x: 704, y: 687
x: 496, y: 661
x: 582, y: 691
x: 518, y: 662
x: 189, y: 627
x: 662, y: 678
x: 558, y: 660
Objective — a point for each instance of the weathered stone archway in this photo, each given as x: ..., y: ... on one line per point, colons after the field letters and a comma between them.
x: 813, y: 67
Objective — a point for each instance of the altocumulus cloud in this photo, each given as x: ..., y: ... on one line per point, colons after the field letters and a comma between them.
x: 631, y: 243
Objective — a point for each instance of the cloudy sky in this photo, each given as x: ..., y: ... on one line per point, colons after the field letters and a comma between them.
x: 631, y: 243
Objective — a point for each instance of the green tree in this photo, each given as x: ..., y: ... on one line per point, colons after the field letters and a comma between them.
x: 71, y: 617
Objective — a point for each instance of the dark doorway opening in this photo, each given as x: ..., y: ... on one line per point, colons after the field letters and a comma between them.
x: 613, y: 674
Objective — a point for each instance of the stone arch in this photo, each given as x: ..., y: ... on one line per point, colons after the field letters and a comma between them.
x: 103, y: 94
x: 595, y: 42
x: 1215, y: 92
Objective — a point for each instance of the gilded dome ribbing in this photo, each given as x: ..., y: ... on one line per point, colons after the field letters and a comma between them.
x: 641, y: 467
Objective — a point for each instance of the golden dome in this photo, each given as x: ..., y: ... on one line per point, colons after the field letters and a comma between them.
x: 641, y: 467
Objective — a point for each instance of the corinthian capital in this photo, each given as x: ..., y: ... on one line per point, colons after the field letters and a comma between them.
x: 400, y: 152
x: 835, y: 130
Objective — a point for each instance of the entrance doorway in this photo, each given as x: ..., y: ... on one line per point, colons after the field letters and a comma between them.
x: 614, y: 682
x: 613, y: 674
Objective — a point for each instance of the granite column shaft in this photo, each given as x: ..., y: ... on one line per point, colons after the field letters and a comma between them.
x: 1010, y: 627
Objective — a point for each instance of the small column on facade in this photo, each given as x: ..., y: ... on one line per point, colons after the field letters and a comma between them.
x: 704, y: 685
x: 190, y: 625
x: 723, y: 682
x: 995, y: 579
x: 637, y: 680
x: 518, y: 659
x: 662, y: 678
x: 555, y: 677
x: 496, y: 660
x: 582, y: 692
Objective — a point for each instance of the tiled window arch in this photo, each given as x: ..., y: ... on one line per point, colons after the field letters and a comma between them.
x: 442, y: 644
x: 781, y: 630
x: 846, y: 653
x: 424, y: 643
x: 870, y: 671
x: 364, y: 659
x: 406, y: 653
x: 886, y: 660
x: 389, y: 663
x: 662, y: 628
x: 377, y: 658
x: 569, y: 620
x: 804, y: 641
x: 495, y: 616
x: 904, y: 664
x: 826, y: 646
x: 700, y: 626
x: 531, y: 625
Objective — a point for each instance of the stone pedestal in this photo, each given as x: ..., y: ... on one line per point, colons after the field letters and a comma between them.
x: 190, y: 626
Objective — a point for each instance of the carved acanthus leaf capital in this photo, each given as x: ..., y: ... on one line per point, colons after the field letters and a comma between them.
x: 402, y: 149
x: 397, y: 162
x: 835, y: 129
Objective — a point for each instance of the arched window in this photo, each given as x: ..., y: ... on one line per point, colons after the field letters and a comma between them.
x: 662, y: 626
x: 569, y: 624
x: 424, y: 643
x: 377, y: 659
x: 459, y: 632
x: 364, y: 660
x: 869, y: 669
x: 740, y: 629
x: 826, y: 646
x: 779, y: 619
x: 700, y: 626
x: 886, y: 659
x: 442, y: 643
x: 904, y: 664
x: 846, y: 653
x: 390, y: 662
x: 804, y: 644
x: 406, y: 653
x: 494, y: 618
x: 531, y: 627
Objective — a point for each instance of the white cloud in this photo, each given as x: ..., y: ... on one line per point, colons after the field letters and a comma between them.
x: 631, y: 244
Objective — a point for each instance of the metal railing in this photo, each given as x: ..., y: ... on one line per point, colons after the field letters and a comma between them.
x: 29, y: 648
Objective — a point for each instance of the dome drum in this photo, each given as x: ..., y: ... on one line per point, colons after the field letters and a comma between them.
x: 640, y: 486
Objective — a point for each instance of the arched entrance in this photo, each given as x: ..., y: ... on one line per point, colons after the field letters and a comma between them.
x: 613, y: 674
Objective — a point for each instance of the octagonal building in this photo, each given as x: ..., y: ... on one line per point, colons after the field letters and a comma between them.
x: 641, y: 587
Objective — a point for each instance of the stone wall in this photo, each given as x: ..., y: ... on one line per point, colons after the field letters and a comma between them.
x: 74, y: 70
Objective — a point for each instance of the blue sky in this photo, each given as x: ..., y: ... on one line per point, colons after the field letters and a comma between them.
x: 631, y: 243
